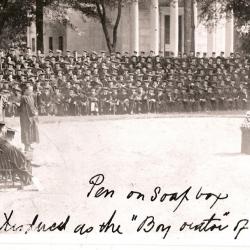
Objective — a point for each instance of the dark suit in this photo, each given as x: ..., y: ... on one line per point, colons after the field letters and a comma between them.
x: 28, y: 121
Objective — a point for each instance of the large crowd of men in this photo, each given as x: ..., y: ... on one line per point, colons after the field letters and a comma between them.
x: 94, y: 83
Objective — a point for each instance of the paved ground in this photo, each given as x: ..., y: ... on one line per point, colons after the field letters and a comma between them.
x: 137, y: 153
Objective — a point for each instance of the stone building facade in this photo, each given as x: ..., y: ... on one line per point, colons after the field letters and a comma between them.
x: 145, y: 25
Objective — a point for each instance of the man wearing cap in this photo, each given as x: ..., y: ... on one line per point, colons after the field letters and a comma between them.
x: 12, y: 159
x: 70, y: 100
x: 132, y: 99
x: 160, y: 101
x: 221, y: 99
x: 151, y: 100
x: 176, y: 100
x: 3, y: 103
x: 104, y: 101
x: 13, y: 102
x: 114, y: 101
x: 45, y: 102
x: 83, y: 102
x: 124, y: 100
x: 28, y: 118
x: 243, y: 98
x: 57, y: 102
x: 93, y: 102
x: 50, y: 55
x: 212, y: 101
x: 185, y: 105
x: 139, y: 108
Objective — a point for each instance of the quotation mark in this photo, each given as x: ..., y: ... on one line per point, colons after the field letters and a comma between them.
x: 134, y: 217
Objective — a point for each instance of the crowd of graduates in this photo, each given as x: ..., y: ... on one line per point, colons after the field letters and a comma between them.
x: 94, y: 83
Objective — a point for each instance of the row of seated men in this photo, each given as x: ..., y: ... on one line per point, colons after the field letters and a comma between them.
x: 15, y: 56
x: 123, y: 83
x: 105, y: 67
x: 133, y: 100
x: 14, y: 166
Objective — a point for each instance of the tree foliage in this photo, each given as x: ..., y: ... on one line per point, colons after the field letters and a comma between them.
x: 212, y: 10
x: 15, y: 16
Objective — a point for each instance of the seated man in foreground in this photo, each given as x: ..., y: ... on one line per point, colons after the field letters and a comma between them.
x: 12, y: 158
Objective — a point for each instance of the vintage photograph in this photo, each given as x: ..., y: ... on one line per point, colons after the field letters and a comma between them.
x: 125, y: 124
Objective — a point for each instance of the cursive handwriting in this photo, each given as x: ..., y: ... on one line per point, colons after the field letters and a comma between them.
x: 147, y: 224
x: 9, y: 226
x: 157, y: 194
x: 97, y: 180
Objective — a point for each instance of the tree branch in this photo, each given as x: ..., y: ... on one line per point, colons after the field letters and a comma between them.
x: 118, y: 18
x: 102, y: 15
x: 103, y: 9
x: 99, y: 11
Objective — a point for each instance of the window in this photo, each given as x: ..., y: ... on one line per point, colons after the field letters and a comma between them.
x: 33, y: 44
x: 50, y: 43
x: 167, y: 29
x: 60, y: 43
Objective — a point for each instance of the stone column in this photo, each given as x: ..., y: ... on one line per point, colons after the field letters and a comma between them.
x: 229, y: 34
x: 162, y: 32
x: 155, y: 28
x: 195, y: 13
x: 135, y: 26
x: 211, y: 40
x: 174, y: 26
x: 195, y: 8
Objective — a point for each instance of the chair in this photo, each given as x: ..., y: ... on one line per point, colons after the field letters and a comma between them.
x: 10, y: 175
x: 7, y: 179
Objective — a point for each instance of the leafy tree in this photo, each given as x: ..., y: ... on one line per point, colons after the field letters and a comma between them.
x: 14, y: 19
x: 213, y: 10
x: 16, y: 16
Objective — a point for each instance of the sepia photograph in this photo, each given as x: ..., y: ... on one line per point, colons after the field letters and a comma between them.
x: 125, y: 124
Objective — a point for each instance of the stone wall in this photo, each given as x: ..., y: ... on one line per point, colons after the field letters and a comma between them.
x: 54, y: 30
x: 87, y: 33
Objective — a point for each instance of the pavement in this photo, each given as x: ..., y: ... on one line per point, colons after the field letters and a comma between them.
x: 137, y: 153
